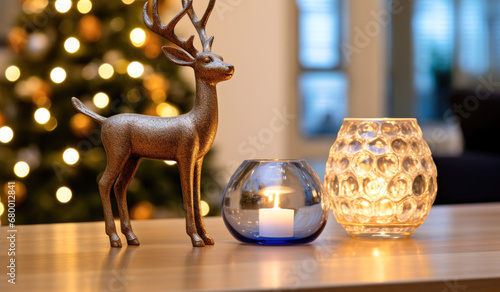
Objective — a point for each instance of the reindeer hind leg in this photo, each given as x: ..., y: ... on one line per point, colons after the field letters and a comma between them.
x: 113, y: 169
x: 121, y: 185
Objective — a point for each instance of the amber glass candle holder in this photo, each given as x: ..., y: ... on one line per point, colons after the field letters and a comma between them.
x: 380, y: 177
x: 275, y: 202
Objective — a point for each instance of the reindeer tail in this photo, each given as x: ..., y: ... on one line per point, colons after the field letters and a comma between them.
x: 79, y: 106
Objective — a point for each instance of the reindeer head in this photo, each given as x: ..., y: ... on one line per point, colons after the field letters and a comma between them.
x: 207, y: 66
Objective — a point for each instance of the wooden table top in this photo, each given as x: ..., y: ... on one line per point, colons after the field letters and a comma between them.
x: 456, y: 249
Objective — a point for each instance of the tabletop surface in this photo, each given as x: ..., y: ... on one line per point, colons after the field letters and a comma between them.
x: 456, y: 249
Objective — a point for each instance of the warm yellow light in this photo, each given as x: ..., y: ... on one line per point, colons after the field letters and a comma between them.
x: 101, y: 100
x: 51, y: 124
x: 36, y: 6
x: 21, y: 169
x: 135, y: 69
x: 2, y: 209
x: 128, y: 2
x: 72, y: 45
x: 84, y: 6
x: 106, y: 71
x: 42, y: 115
x: 165, y: 109
x: 64, y: 194
x: 12, y: 73
x: 63, y: 6
x: 138, y: 37
x: 205, y: 208
x: 170, y: 162
x: 121, y: 66
x: 6, y: 134
x: 58, y: 75
x: 71, y: 156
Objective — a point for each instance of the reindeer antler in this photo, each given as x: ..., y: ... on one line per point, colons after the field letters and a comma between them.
x: 168, y: 31
x: 200, y: 25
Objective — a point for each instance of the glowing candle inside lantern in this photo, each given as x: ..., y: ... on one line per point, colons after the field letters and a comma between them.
x: 276, y: 222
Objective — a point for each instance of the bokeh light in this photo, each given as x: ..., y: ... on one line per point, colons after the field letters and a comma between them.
x: 121, y: 66
x: 143, y: 210
x: 101, y: 100
x: 58, y: 75
x: 12, y: 73
x: 135, y: 69
x: 6, y: 134
x: 170, y: 162
x: 64, y: 194
x: 42, y: 115
x: 84, y: 6
x: 165, y: 109
x: 72, y: 45
x: 51, y: 124
x: 205, y: 208
x: 138, y: 37
x: 128, y: 2
x: 21, y: 169
x: 71, y: 156
x: 106, y: 71
x: 20, y: 190
x: 2, y: 209
x: 34, y: 6
x: 63, y: 6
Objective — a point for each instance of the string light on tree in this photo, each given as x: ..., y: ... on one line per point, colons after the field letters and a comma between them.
x: 72, y: 45
x: 6, y: 134
x: 58, y: 75
x: 63, y: 6
x: 106, y: 71
x: 84, y: 6
x: 138, y: 37
x: 64, y: 195
x: 21, y: 169
x: 42, y: 115
x: 71, y: 156
x: 135, y: 69
x: 12, y: 73
x: 101, y: 100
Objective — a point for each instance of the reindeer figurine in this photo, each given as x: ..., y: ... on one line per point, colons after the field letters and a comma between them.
x: 186, y: 138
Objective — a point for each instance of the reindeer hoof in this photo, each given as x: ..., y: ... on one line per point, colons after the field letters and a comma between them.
x: 207, y: 239
x: 134, y: 241
x: 116, y: 243
x: 197, y: 241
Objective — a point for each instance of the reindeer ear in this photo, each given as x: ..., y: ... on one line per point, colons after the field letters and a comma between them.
x: 178, y: 56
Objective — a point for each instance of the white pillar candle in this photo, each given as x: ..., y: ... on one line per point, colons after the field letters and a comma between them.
x: 276, y: 222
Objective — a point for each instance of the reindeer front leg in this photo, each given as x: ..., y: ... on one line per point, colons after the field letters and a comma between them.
x: 186, y: 170
x: 200, y: 224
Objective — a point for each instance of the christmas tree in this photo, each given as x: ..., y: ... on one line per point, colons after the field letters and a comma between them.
x: 100, y: 52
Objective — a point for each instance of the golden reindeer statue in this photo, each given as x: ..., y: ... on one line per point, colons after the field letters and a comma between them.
x: 186, y: 138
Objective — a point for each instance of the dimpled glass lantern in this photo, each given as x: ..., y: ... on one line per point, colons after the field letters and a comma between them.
x: 275, y: 202
x: 380, y: 177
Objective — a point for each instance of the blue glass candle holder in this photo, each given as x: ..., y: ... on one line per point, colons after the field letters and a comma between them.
x: 275, y: 202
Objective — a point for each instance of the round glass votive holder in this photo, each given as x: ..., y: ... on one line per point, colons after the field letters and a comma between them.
x: 275, y: 202
x: 380, y: 177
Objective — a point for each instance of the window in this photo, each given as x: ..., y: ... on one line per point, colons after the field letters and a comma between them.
x: 322, y: 81
x: 454, y: 42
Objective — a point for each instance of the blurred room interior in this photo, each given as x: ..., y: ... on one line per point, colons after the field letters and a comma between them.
x: 303, y: 66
